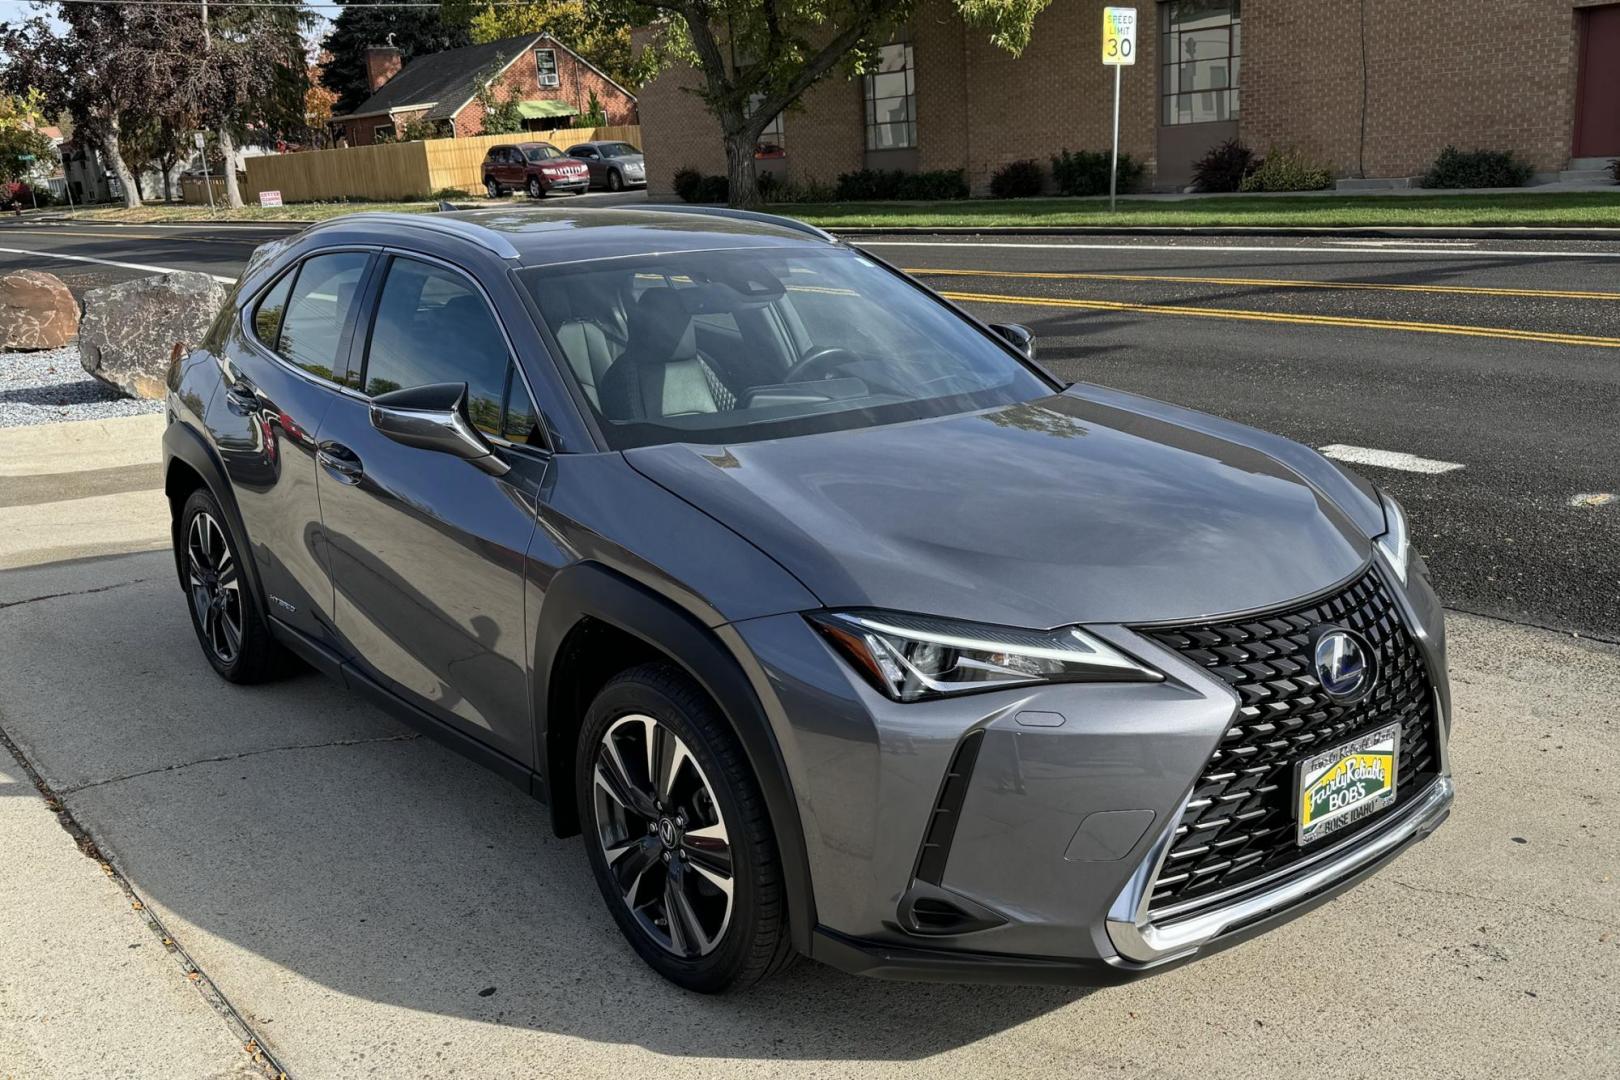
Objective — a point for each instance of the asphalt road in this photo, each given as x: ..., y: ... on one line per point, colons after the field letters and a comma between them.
x: 1500, y: 357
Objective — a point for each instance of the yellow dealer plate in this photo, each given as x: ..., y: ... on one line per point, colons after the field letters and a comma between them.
x: 1341, y: 786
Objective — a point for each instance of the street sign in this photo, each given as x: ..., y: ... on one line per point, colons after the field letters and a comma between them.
x: 197, y: 136
x: 1118, y: 52
x: 269, y: 198
x: 1119, y: 36
x: 25, y: 157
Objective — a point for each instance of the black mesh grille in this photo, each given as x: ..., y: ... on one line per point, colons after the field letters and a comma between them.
x: 1239, y: 823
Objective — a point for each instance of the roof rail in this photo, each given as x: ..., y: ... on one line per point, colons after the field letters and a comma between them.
x: 738, y: 215
x: 462, y: 229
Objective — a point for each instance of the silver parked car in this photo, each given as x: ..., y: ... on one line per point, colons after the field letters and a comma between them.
x: 613, y: 165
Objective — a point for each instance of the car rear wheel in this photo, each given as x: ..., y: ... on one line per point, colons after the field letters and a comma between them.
x: 492, y: 189
x: 615, y: 180
x: 230, y: 628
x: 677, y: 834
x: 534, y: 188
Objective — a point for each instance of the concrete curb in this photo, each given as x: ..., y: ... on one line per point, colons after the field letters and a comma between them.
x: 1409, y: 232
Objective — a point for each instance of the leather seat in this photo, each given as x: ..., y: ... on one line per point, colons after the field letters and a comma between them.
x: 661, y: 373
x: 589, y: 354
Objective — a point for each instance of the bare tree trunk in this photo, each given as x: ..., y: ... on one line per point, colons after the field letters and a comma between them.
x: 744, y: 184
x: 109, y: 152
x: 227, y: 147
x: 167, y: 168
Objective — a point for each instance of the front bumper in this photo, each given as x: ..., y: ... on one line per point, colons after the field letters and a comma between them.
x: 1072, y: 799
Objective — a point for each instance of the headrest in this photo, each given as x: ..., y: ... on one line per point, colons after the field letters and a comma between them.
x: 661, y: 328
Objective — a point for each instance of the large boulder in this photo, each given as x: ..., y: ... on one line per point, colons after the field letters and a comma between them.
x: 36, y: 311
x: 132, y: 330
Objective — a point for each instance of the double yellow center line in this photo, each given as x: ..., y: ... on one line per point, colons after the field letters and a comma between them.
x: 1346, y: 321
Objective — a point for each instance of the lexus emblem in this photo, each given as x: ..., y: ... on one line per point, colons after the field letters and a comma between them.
x: 1344, y: 664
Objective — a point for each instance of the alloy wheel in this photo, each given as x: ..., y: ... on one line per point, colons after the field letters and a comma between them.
x: 216, y: 587
x: 492, y: 189
x: 663, y: 836
x: 534, y: 188
x: 615, y: 181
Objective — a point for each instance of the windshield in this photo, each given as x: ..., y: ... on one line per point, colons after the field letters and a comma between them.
x: 542, y: 152
x: 618, y: 149
x: 746, y: 344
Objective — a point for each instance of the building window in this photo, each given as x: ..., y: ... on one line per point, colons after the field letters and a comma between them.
x: 383, y: 133
x: 1202, y: 47
x: 772, y: 140
x: 891, y: 100
x: 545, y: 63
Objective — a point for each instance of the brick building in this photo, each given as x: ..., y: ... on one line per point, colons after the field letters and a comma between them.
x: 550, y: 80
x: 1539, y: 77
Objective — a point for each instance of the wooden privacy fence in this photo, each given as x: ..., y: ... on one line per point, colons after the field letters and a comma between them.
x: 412, y: 170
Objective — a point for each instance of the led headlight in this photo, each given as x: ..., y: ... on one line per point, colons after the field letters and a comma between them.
x: 1396, y: 543
x: 912, y: 657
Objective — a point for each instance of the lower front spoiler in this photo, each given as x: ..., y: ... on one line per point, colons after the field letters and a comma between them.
x: 1237, y: 922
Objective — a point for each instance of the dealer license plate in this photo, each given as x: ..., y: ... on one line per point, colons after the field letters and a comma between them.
x: 1341, y: 786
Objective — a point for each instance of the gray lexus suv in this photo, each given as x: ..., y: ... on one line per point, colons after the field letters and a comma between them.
x: 836, y: 624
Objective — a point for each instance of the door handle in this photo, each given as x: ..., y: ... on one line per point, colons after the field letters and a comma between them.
x: 340, y: 462
x: 243, y: 398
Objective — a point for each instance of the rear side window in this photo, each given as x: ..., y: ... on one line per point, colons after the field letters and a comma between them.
x: 318, y: 308
x: 272, y: 305
x: 434, y: 326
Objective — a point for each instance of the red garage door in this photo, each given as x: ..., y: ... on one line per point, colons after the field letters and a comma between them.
x: 1597, y: 96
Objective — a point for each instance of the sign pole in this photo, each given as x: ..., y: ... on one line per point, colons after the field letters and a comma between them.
x: 1118, y: 49
x: 1113, y: 169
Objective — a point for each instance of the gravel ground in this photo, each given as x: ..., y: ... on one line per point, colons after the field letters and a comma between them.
x: 50, y: 387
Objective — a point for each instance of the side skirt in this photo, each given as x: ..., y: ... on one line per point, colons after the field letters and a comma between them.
x: 333, y: 666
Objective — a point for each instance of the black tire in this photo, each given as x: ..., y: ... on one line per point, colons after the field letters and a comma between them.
x: 492, y: 189
x: 534, y: 188
x: 615, y: 180
x: 232, y: 631
x: 752, y: 941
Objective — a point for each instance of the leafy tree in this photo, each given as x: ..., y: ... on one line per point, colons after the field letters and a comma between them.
x: 599, y: 32
x: 758, y: 57
x: 22, y: 147
x: 415, y: 31
x: 594, y: 115
x: 501, y: 116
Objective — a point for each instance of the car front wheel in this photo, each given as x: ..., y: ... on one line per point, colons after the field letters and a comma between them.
x: 615, y: 181
x: 224, y: 613
x: 677, y: 834
x: 534, y: 188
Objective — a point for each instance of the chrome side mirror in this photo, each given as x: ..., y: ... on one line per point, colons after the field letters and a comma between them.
x: 435, y: 417
x: 1018, y: 336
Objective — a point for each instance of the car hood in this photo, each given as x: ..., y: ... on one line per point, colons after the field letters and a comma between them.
x: 1088, y: 506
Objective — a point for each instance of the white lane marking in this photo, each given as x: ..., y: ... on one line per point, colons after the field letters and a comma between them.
x: 1398, y: 243
x: 106, y: 262
x: 1590, y: 499
x: 860, y: 241
x: 1388, y: 459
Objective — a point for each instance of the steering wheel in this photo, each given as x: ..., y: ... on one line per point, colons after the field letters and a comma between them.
x: 819, y: 363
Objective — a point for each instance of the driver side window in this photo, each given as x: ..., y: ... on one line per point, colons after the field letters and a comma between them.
x: 434, y: 326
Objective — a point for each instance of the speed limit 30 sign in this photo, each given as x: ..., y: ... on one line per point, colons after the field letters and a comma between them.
x: 1119, y: 36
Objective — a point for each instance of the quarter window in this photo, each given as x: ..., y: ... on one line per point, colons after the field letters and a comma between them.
x: 891, y: 100
x: 272, y: 305
x: 319, y: 307
x: 433, y: 326
x: 1201, y: 48
x: 545, y: 62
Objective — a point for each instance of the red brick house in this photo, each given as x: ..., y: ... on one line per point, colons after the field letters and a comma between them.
x: 550, y: 81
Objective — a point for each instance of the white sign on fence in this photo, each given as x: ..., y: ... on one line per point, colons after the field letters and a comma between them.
x: 269, y: 198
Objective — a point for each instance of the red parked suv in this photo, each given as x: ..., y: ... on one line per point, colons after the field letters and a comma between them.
x: 535, y: 167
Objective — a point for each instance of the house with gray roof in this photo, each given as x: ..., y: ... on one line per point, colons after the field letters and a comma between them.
x: 551, y: 83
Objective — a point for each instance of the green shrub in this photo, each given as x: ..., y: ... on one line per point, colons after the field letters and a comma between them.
x: 1478, y: 169
x: 449, y: 194
x: 878, y: 185
x: 1085, y: 172
x: 1018, y: 180
x: 1223, y: 167
x: 773, y: 187
x: 1287, y: 169
x: 688, y: 184
x: 715, y: 189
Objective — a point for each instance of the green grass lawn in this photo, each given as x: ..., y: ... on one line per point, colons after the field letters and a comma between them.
x: 1552, y: 209
x: 1570, y: 209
